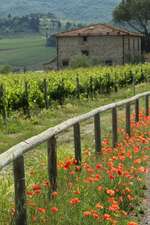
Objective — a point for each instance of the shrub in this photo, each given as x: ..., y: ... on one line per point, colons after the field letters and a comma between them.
x: 6, y: 69
x: 80, y: 61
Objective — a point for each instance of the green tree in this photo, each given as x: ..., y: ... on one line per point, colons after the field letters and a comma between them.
x: 136, y: 14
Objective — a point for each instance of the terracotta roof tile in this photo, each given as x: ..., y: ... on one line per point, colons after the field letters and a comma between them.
x: 98, y: 30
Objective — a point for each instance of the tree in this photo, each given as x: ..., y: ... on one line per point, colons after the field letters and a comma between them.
x: 135, y: 14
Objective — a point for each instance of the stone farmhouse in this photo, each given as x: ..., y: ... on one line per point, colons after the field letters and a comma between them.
x: 108, y: 44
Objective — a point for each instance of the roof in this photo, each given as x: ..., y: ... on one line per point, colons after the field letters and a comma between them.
x: 98, y: 30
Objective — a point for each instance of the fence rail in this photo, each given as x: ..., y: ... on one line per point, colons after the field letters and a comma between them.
x: 16, y: 153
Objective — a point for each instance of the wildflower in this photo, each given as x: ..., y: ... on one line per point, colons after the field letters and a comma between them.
x: 54, y: 209
x: 110, y: 192
x: 99, y: 206
x: 72, y: 173
x: 128, y: 154
x: 111, y: 200
x: 127, y: 190
x: 67, y: 165
x: 78, y: 168
x: 141, y: 169
x: 77, y: 192
x: 99, y: 188
x: 74, y: 201
x: 41, y: 210
x: 111, y: 176
x: 99, y: 166
x: 114, y: 207
x: 36, y: 187
x: 106, y: 216
x: 137, y: 161
x: 136, y: 149
x: 95, y: 215
x: 105, y: 142
x: 130, y: 198
x: 54, y: 194
x: 33, y: 218
x: 132, y: 223
x: 46, y: 183
x: 86, y: 213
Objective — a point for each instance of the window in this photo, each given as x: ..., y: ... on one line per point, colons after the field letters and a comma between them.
x: 85, y: 52
x: 108, y: 62
x: 85, y: 39
x: 65, y: 62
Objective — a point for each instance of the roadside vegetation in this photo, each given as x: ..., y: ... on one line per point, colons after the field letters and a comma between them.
x: 105, y: 189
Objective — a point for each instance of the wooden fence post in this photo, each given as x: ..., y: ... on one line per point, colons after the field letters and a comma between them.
x: 116, y: 84
x: 108, y: 88
x: 78, y: 87
x: 52, y: 163
x: 27, y: 108
x: 20, y: 195
x: 128, y: 118
x: 100, y: 86
x: 114, y: 127
x: 133, y: 83
x: 137, y: 110
x: 147, y: 105
x: 46, y: 94
x: 97, y: 133
x: 2, y: 104
x: 91, y: 87
x: 77, y: 143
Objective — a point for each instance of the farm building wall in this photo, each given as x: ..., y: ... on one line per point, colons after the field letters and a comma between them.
x: 107, y: 49
x: 132, y: 48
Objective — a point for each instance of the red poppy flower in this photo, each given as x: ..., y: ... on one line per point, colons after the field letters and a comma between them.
x: 41, y: 210
x: 54, y: 209
x: 74, y: 201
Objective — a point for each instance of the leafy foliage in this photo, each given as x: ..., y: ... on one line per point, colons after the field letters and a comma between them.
x: 135, y: 13
x: 63, y: 84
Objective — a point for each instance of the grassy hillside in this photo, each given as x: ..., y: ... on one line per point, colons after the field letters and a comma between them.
x: 83, y: 10
x: 27, y: 51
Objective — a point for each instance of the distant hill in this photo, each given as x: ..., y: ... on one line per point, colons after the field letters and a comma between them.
x: 80, y: 10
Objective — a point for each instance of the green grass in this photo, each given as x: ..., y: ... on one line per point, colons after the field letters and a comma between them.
x: 19, y: 128
x: 126, y: 163
x: 29, y: 51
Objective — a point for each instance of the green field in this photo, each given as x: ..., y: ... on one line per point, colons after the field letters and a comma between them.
x: 29, y: 51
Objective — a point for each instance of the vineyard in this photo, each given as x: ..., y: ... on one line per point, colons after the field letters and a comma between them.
x: 31, y: 90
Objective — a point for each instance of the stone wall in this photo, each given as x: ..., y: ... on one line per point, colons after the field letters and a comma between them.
x: 132, y: 48
x: 106, y: 49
